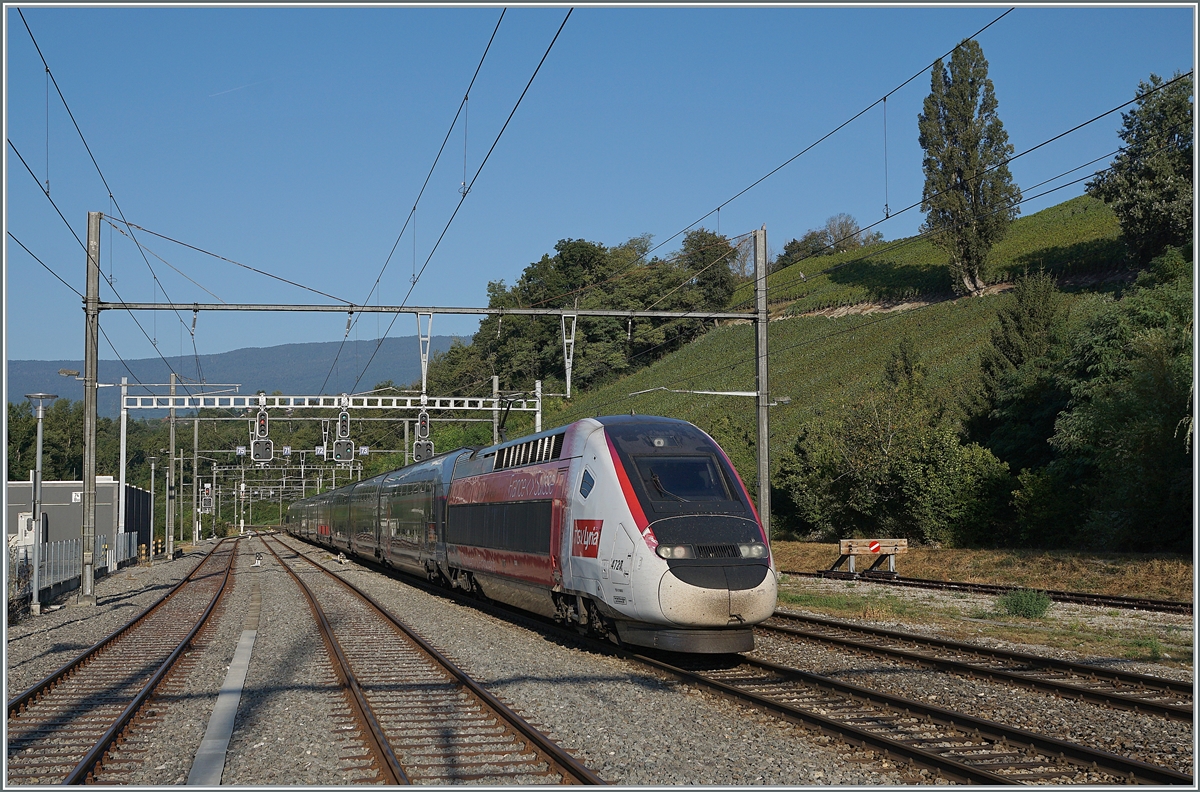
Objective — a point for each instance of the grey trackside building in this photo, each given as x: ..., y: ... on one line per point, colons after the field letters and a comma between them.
x: 62, y: 501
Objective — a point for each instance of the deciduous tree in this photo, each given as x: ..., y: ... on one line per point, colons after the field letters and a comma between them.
x: 969, y: 196
x: 1149, y: 185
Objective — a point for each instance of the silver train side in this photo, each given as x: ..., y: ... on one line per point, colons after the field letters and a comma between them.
x: 634, y: 528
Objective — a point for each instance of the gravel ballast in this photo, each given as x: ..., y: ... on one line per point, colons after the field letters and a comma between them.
x: 627, y: 724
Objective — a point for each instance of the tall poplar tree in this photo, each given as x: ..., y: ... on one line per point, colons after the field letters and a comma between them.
x: 969, y: 195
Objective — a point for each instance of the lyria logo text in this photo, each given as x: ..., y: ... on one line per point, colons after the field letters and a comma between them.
x: 585, y: 538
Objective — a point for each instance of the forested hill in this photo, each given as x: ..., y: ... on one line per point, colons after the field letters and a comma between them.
x: 1052, y: 410
x: 294, y: 369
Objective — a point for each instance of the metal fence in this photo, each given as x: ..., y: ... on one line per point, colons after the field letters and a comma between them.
x: 62, y: 562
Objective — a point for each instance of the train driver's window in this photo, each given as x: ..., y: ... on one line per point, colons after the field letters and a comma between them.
x: 682, y: 479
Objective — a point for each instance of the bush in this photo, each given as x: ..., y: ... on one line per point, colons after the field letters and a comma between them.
x: 1026, y: 603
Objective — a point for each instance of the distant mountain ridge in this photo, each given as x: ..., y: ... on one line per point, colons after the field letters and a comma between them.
x: 293, y: 369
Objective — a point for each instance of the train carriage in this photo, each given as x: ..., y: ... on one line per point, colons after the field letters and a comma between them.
x: 634, y: 527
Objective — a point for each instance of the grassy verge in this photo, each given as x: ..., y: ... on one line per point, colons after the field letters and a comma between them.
x: 1120, y: 574
x: 965, y: 618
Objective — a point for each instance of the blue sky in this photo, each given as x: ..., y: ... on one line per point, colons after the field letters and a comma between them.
x: 296, y: 140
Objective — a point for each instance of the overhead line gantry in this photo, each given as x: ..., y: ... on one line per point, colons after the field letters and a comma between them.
x: 93, y: 306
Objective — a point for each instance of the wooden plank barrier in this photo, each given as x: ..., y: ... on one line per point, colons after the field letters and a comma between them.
x: 882, y: 549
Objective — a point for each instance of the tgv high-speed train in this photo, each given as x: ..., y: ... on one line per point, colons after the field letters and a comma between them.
x: 637, y: 528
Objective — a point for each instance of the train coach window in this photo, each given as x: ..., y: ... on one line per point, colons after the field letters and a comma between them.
x: 682, y: 479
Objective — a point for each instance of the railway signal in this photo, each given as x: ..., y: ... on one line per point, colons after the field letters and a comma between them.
x: 262, y: 450
x: 422, y: 450
x: 261, y: 423
x: 343, y: 450
x: 343, y: 426
x: 423, y: 425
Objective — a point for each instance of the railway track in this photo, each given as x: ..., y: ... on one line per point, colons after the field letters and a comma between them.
x: 952, y: 745
x: 1077, y: 597
x: 425, y: 721
x: 1136, y: 692
x: 60, y: 729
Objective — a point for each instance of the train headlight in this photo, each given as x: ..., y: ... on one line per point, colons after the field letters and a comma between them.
x: 675, y: 551
x: 753, y: 550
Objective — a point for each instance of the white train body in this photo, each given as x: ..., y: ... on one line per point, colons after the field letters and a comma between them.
x: 635, y: 527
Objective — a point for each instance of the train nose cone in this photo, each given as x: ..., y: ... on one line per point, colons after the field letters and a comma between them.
x: 713, y: 596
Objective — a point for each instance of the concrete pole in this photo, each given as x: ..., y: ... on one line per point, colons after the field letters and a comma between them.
x: 170, y: 526
x: 91, y: 345
x: 150, y: 549
x: 537, y: 389
x: 35, y: 606
x: 216, y: 509
x: 196, y: 477
x: 124, y: 433
x: 764, y: 389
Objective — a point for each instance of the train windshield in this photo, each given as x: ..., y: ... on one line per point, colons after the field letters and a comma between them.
x: 675, y: 468
x: 682, y: 479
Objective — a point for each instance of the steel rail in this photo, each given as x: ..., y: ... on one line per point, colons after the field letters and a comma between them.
x: 1117, y: 695
x: 1081, y: 757
x: 43, y: 688
x: 380, y: 746
x: 1076, y: 597
x: 566, y: 765
x: 21, y: 699
x: 83, y: 771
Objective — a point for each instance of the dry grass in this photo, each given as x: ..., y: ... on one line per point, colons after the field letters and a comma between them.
x: 1122, y: 574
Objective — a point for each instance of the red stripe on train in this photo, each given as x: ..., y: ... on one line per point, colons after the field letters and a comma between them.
x: 631, y: 499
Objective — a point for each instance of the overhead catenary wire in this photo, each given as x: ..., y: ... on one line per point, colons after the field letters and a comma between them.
x: 842, y: 331
x: 111, y: 345
x: 98, y: 171
x: 279, y: 278
x: 183, y: 274
x: 901, y: 243
x: 820, y: 140
x: 44, y: 265
x: 412, y: 214
x: 83, y: 247
x: 469, y: 187
x: 1005, y: 162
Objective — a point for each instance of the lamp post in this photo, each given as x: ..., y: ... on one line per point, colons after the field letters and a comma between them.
x: 35, y: 607
x: 150, y: 554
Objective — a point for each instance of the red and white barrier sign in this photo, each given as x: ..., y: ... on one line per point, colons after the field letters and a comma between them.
x: 874, y: 546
